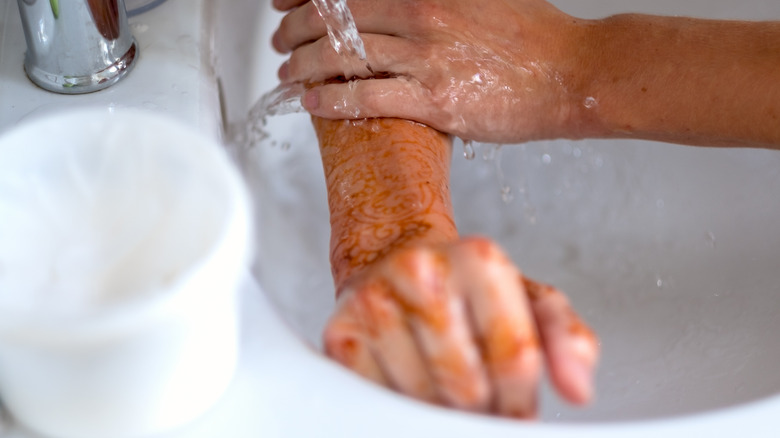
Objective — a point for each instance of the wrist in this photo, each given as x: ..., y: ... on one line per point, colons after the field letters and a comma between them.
x: 582, y: 64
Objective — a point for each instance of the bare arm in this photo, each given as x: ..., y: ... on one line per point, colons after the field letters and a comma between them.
x: 683, y: 80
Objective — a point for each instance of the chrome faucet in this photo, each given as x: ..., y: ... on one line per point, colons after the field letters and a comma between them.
x: 77, y: 46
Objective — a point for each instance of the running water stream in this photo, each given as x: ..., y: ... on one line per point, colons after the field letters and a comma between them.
x: 286, y: 98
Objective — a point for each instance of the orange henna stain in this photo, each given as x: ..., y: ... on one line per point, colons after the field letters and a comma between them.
x: 463, y: 381
x: 536, y: 291
x: 579, y: 329
x: 388, y: 188
x: 344, y: 350
x: 506, y: 344
x: 426, y: 272
x: 377, y: 298
x: 370, y: 245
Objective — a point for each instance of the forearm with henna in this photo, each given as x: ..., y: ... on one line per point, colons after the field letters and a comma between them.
x: 446, y: 320
x: 388, y: 188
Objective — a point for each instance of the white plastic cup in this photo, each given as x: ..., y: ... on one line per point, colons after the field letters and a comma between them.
x: 123, y: 237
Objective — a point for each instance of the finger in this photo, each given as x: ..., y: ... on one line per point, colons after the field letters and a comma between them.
x: 345, y: 342
x: 393, y: 97
x: 317, y: 62
x: 393, y: 343
x: 299, y: 26
x: 570, y: 346
x: 504, y: 323
x: 286, y: 5
x: 440, y: 323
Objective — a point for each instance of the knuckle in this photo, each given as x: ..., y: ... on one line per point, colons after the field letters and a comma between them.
x: 480, y: 245
x: 294, y: 65
x: 340, y: 339
x: 423, y: 15
x: 282, y: 35
x: 367, y: 97
x: 485, y: 251
x: 414, y: 263
x: 311, y: 17
x: 342, y: 349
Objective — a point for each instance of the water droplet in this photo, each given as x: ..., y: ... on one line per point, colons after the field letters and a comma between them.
x: 590, y: 102
x: 709, y: 237
x: 546, y: 159
x: 530, y: 214
x: 506, y: 194
x: 489, y: 152
x: 139, y: 27
x: 468, y: 150
x: 285, y: 145
x: 659, y: 282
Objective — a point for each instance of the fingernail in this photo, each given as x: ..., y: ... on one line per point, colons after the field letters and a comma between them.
x: 311, y: 100
x: 582, y: 379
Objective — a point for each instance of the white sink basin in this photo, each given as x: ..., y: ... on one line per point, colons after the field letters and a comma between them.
x: 669, y: 252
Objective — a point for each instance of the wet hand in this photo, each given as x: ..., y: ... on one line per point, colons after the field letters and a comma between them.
x: 493, y: 71
x: 459, y: 325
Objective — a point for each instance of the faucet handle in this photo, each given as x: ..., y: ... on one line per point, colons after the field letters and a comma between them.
x: 76, y: 46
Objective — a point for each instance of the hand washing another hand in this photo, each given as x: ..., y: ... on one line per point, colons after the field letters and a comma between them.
x: 518, y: 70
x: 487, y: 71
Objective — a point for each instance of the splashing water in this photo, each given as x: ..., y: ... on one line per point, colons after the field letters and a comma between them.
x: 343, y: 36
x: 468, y: 150
x: 489, y: 152
x: 286, y: 98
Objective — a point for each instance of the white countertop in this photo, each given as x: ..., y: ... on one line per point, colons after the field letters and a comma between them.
x: 173, y: 74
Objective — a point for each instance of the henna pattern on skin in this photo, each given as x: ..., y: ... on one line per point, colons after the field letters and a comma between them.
x: 366, y: 248
x: 375, y: 207
x: 406, y: 283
